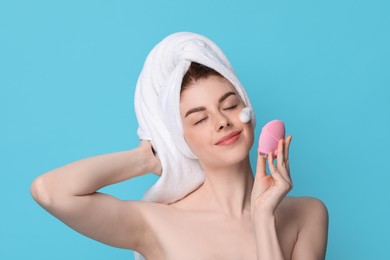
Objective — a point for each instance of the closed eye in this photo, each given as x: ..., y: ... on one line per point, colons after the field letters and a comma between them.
x: 200, y: 121
x: 231, y: 107
x: 227, y: 108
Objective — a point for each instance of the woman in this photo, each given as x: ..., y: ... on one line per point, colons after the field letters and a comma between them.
x: 230, y: 215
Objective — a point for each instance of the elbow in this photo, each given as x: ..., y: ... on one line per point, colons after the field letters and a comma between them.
x: 40, y: 192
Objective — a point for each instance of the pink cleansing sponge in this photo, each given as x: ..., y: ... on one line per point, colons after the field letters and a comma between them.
x: 270, y: 135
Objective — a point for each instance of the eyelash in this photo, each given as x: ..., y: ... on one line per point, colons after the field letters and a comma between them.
x: 232, y: 107
x: 228, y: 108
x: 200, y: 121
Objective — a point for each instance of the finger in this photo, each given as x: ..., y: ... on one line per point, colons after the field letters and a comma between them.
x: 147, y: 143
x: 287, y: 153
x: 274, y: 171
x: 287, y: 147
x: 280, y: 155
x: 281, y: 163
x: 278, y: 176
x: 261, y: 166
x: 144, y: 142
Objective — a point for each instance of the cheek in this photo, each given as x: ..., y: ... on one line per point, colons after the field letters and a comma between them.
x: 250, y: 134
x: 247, y: 129
x: 196, y: 139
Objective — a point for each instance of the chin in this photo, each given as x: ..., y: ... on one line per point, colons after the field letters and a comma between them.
x: 234, y: 157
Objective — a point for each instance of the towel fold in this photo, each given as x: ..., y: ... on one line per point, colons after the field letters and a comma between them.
x: 157, y: 107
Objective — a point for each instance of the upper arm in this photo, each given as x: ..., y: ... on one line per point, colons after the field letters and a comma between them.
x: 99, y: 216
x: 313, y: 234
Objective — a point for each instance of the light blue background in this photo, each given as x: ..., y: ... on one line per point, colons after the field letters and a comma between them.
x: 68, y: 70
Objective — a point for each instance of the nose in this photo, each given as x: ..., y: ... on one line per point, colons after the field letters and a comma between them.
x: 222, y: 122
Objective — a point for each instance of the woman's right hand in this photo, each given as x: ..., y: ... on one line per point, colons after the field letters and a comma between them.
x: 269, y: 190
x: 154, y: 164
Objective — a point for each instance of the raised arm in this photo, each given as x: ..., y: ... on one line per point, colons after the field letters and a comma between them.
x: 69, y: 193
x: 267, y: 194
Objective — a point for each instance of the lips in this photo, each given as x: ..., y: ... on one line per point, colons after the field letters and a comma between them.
x: 229, y: 139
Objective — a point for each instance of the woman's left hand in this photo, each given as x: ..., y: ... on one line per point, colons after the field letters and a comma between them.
x: 269, y: 190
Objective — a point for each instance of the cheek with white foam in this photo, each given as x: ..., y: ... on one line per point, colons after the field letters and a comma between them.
x: 245, y: 114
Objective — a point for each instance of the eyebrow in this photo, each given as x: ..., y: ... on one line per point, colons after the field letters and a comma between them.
x: 225, y: 96
x: 196, y: 109
x: 202, y: 108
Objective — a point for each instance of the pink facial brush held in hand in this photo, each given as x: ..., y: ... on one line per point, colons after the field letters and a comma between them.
x: 270, y: 135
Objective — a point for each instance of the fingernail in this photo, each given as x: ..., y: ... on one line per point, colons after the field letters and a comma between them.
x: 264, y: 155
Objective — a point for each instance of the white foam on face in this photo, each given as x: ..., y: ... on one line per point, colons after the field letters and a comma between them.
x: 245, y: 115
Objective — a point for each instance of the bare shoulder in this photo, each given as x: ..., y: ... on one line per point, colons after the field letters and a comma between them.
x: 303, y: 211
x: 310, y: 216
x: 305, y: 207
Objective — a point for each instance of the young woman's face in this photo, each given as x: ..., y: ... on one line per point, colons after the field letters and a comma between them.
x: 210, y: 111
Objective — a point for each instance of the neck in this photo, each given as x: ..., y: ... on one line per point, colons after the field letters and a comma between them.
x: 228, y: 189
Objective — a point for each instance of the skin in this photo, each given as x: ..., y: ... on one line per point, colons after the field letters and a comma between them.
x: 233, y: 215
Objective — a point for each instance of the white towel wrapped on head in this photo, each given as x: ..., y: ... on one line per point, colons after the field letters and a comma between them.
x: 157, y: 107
